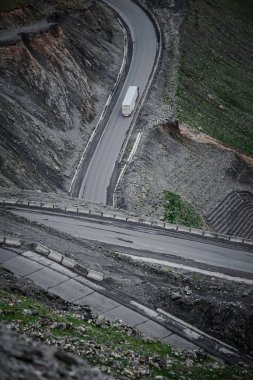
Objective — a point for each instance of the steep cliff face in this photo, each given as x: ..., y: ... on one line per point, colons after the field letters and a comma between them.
x: 53, y: 83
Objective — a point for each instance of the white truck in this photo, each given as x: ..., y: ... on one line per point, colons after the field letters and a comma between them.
x: 130, y: 100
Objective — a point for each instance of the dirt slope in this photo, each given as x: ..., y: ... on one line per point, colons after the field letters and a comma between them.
x: 53, y: 85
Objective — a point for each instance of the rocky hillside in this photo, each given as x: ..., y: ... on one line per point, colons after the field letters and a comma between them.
x: 57, y: 65
x: 19, y: 354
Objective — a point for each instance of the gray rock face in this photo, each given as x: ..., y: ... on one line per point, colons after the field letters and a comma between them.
x: 21, y: 358
x: 55, y: 80
x: 175, y: 296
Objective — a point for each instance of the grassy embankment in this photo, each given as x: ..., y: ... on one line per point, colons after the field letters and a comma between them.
x: 215, y: 91
x: 180, y: 212
x: 120, y: 350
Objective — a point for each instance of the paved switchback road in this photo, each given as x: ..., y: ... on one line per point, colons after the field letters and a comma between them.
x: 97, y: 177
x: 147, y: 241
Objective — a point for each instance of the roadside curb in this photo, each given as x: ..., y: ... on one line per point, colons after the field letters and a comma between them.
x: 56, y: 257
x: 68, y: 263
x: 126, y: 218
x: 12, y: 242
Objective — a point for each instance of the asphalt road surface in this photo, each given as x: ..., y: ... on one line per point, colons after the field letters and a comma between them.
x: 97, y: 177
x: 159, y: 243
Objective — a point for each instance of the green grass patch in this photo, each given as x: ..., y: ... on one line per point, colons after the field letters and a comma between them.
x: 119, y: 350
x: 178, y: 211
x: 215, y: 90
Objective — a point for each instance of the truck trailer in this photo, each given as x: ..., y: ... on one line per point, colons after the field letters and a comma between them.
x: 129, y: 101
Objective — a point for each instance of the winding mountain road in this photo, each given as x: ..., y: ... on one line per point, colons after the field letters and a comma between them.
x: 97, y: 176
x: 150, y: 242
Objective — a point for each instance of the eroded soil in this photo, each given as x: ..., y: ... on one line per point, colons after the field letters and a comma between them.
x: 55, y: 82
